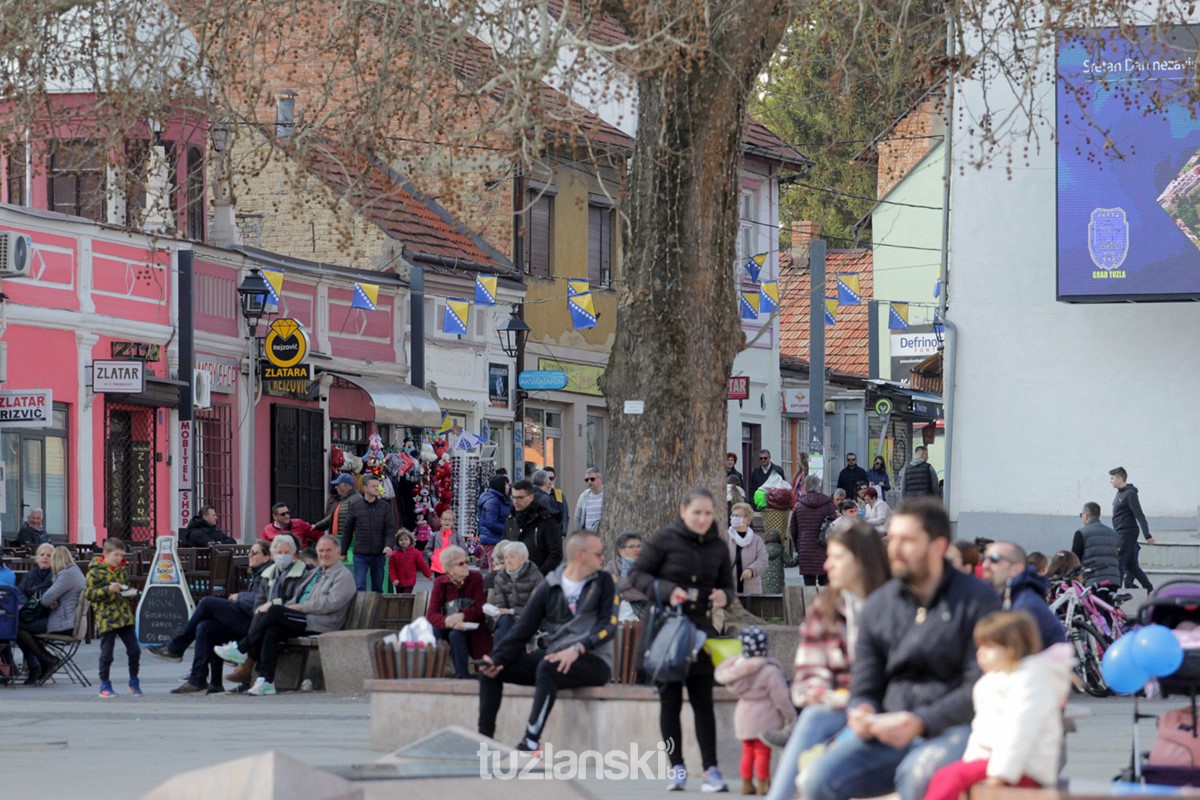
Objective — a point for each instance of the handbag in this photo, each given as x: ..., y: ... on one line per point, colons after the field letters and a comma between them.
x: 33, y: 610
x: 452, y: 607
x: 672, y: 644
x: 823, y: 534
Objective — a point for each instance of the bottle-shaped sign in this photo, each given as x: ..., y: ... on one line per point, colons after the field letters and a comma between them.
x: 166, y: 604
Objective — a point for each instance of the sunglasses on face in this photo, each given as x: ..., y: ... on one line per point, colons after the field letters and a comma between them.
x: 589, y: 480
x: 996, y: 558
x: 283, y: 513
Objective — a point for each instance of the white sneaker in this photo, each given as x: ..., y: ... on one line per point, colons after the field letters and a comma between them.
x: 261, y: 688
x: 229, y: 652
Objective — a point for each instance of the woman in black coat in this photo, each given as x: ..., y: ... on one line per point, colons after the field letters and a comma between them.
x: 687, y: 565
x: 811, y: 511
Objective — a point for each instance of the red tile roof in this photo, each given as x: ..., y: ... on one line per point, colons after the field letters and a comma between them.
x: 422, y: 226
x: 846, y: 344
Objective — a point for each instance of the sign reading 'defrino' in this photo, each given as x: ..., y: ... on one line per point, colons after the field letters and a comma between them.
x: 26, y: 408
x: 124, y: 377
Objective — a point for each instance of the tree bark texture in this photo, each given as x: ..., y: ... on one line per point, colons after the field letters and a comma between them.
x: 678, y: 326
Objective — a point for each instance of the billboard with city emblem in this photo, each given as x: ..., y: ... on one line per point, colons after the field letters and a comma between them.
x: 1128, y: 166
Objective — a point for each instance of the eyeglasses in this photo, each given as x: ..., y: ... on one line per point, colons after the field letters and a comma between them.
x: 588, y: 480
x: 764, y: 458
x: 283, y: 513
x: 996, y: 558
x: 459, y: 564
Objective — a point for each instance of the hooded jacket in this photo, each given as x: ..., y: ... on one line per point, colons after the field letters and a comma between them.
x: 515, y: 592
x: 678, y: 558
x: 200, y: 534
x: 591, y: 624
x: 1027, y: 592
x: 777, y: 558
x: 920, y: 478
x: 763, y: 702
x: 338, y: 507
x: 804, y: 526
x: 113, y: 612
x: 918, y: 658
x: 1127, y: 514
x: 494, y: 508
x: 541, y: 533
x: 373, y: 524
x: 1018, y: 718
x: 1098, y: 548
x: 278, y: 590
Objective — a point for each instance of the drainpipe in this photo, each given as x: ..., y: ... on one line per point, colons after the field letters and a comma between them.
x: 950, y: 352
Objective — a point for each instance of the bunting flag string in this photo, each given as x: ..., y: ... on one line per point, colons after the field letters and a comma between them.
x: 458, y: 312
x: 366, y: 296
x: 898, y: 317
x: 577, y: 286
x: 749, y: 304
x: 274, y: 278
x: 768, y: 297
x: 583, y: 311
x: 447, y: 425
x: 831, y: 308
x: 849, y: 293
x: 485, y: 290
x: 755, y: 265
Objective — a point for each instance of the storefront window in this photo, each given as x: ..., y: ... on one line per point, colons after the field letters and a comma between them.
x: 35, y: 461
x: 595, y: 442
x: 543, y: 439
x: 348, y: 436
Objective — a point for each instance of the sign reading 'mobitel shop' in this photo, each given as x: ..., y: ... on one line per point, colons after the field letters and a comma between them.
x: 26, y: 408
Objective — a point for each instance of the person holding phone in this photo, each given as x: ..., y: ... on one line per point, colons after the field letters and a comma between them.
x: 687, y: 565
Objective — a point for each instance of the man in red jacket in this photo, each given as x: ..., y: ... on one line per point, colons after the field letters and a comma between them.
x: 282, y: 522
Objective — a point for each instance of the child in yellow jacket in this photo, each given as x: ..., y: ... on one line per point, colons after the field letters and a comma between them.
x: 108, y: 593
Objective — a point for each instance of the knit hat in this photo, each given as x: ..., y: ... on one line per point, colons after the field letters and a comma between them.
x: 499, y: 483
x: 754, y: 642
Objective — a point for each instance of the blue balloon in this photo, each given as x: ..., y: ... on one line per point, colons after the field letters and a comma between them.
x: 1121, y: 672
x: 1157, y: 651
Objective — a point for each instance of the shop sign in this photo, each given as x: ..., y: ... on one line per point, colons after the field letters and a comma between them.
x: 138, y: 351
x: 581, y: 378
x: 498, y: 385
x: 739, y: 387
x: 883, y: 407
x: 224, y: 372
x: 26, y: 408
x: 285, y: 345
x: 795, y: 400
x: 124, y: 377
x: 185, y: 454
x: 300, y: 372
x: 911, y: 348
x: 541, y: 380
x: 926, y: 409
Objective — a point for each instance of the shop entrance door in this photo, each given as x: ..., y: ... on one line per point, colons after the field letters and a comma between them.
x: 131, y: 457
x: 298, y: 473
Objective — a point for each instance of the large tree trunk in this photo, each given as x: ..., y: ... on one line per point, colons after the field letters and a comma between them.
x: 678, y: 327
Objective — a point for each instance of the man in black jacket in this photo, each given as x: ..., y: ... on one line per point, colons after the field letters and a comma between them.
x: 337, y: 510
x: 759, y: 475
x: 1127, y: 516
x: 372, y: 520
x: 1098, y: 548
x: 574, y: 614
x: 532, y: 523
x: 202, y: 531
x: 914, y: 668
x: 850, y: 477
x: 920, y: 479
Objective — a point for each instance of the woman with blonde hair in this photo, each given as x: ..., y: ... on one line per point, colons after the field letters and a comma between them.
x: 747, y: 551
x: 55, y: 608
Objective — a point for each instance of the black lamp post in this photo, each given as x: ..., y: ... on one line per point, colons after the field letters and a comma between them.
x: 252, y: 296
x: 513, y: 335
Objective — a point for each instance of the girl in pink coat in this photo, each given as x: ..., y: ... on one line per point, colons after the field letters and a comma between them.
x: 763, y: 705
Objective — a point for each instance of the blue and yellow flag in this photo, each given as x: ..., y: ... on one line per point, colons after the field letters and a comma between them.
x: 583, y: 311
x: 274, y: 278
x: 485, y: 290
x: 831, y: 308
x: 454, y: 321
x: 366, y: 296
x: 446, y: 426
x: 768, y: 297
x: 754, y: 266
x: 937, y: 288
x: 898, y: 317
x: 848, y: 293
x: 577, y: 286
x: 749, y: 304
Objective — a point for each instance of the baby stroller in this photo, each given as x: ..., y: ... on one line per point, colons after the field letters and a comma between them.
x: 1174, y: 605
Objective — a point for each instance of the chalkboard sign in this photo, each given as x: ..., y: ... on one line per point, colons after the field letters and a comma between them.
x: 162, y: 613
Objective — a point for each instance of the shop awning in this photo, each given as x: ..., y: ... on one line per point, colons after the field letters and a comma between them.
x: 455, y: 393
x: 398, y: 403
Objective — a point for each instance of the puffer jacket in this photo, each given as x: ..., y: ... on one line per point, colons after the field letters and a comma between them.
x: 515, y: 592
x: 339, y: 507
x: 678, y: 558
x: 246, y: 597
x: 763, y: 703
x: 113, y: 612
x: 200, y: 534
x: 1027, y: 592
x: 919, y: 479
x: 494, y: 509
x: 1098, y: 548
x: 67, y: 587
x: 272, y: 589
x: 777, y: 558
x: 370, y: 528
x: 804, y: 526
x: 625, y: 588
x: 541, y: 533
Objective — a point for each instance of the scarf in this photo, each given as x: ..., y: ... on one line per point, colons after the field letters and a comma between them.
x: 741, y: 539
x: 626, y: 563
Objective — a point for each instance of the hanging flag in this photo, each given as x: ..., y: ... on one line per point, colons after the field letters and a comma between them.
x: 749, y: 305
x: 446, y: 426
x: 937, y: 288
x: 469, y: 441
x: 898, y: 317
x: 768, y: 297
x: 754, y: 266
x: 485, y: 290
x: 831, y: 308
x: 274, y: 279
x: 583, y: 311
x: 577, y: 286
x: 848, y: 293
x: 366, y: 296
x: 458, y: 311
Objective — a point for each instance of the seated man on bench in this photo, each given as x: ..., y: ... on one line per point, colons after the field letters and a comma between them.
x: 321, y: 605
x: 571, y: 616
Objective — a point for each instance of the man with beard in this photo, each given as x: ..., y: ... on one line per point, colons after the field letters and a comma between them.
x: 1021, y: 588
x: 531, y: 522
x: 910, y: 709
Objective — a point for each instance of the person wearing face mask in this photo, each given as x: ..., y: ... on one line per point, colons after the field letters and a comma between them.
x: 633, y: 602
x: 747, y: 551
x: 514, y: 584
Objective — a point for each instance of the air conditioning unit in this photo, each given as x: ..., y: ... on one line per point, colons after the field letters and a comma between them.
x: 16, y: 255
x: 202, y: 388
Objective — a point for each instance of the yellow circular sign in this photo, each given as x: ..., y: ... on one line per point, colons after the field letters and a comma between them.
x: 286, y: 345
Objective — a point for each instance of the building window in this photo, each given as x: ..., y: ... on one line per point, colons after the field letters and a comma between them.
x: 595, y: 442
x: 600, y: 244
x: 137, y: 174
x: 195, y: 194
x: 77, y: 179
x: 35, y: 476
x: 543, y: 439
x: 539, y: 222
x: 14, y: 167
x: 747, y: 240
x: 215, y: 469
x: 348, y: 436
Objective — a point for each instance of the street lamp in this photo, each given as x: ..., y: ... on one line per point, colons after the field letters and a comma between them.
x: 252, y: 296
x: 220, y: 135
x: 513, y: 335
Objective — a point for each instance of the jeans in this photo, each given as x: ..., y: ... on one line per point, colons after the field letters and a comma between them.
x: 459, y: 650
x: 369, y: 567
x: 504, y: 624
x: 854, y: 768
x: 215, y: 621
x: 267, y: 630
x: 531, y: 669
x: 815, y: 580
x: 700, y: 694
x: 815, y: 725
x: 132, y: 650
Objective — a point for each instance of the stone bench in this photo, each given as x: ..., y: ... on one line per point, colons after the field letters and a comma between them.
x: 603, y: 718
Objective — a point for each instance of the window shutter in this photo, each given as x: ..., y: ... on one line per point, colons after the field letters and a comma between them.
x: 600, y: 245
x: 537, y: 234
